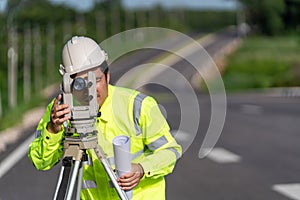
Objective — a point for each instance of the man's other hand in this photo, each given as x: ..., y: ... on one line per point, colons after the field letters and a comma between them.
x: 131, y: 179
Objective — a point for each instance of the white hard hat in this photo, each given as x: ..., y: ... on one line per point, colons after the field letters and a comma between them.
x: 80, y: 54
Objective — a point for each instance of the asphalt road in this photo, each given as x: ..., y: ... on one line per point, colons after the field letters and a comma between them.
x: 263, y: 131
x: 260, y: 130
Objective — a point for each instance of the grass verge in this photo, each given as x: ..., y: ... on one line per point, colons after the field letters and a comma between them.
x: 263, y: 62
x: 15, y: 115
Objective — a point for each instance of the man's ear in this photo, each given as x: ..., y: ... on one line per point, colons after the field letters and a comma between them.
x: 108, y: 77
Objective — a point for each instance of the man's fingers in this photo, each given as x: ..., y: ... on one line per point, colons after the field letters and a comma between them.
x: 129, y: 185
x: 129, y: 181
x: 60, y: 107
x: 60, y: 121
x: 61, y: 113
x: 59, y: 110
x: 58, y: 113
x: 57, y: 100
x: 129, y: 188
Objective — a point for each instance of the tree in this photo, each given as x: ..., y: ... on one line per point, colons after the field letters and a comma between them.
x: 266, y: 16
x: 292, y: 15
x: 41, y: 12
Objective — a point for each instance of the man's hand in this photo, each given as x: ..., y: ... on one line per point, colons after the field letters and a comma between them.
x: 57, y: 115
x: 130, y: 180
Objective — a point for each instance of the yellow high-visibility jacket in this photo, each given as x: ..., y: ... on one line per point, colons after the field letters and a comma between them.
x: 124, y: 112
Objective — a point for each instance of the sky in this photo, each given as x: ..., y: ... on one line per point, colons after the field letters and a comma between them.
x: 2, y: 4
x: 216, y: 4
x: 85, y: 5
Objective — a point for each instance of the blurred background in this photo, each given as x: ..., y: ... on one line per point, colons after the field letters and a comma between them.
x: 256, y: 48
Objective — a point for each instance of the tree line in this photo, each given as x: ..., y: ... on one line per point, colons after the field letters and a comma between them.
x: 272, y: 17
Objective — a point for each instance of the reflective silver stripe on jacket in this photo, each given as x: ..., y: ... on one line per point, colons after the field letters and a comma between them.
x: 158, y: 143
x: 88, y: 184
x: 111, y: 160
x: 137, y: 105
x: 177, y: 154
x: 137, y: 154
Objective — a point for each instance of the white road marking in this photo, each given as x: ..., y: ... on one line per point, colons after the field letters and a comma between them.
x: 291, y: 190
x: 221, y: 155
x: 15, y: 156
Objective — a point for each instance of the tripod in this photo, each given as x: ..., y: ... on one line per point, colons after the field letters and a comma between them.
x: 74, y: 159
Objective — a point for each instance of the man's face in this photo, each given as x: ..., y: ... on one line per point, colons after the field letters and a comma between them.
x: 102, y: 84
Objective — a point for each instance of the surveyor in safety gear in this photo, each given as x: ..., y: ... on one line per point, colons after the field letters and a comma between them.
x: 123, y: 112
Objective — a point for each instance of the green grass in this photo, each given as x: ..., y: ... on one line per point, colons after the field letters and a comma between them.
x: 15, y: 115
x: 263, y: 62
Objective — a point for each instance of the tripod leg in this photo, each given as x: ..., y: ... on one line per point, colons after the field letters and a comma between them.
x: 73, y: 180
x: 110, y: 173
x: 80, y: 174
x: 59, y: 182
x: 63, y: 179
x: 79, y: 182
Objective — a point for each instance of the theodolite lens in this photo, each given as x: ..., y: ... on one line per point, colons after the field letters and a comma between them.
x: 79, y: 84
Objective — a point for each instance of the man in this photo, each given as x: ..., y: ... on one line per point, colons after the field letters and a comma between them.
x: 123, y: 112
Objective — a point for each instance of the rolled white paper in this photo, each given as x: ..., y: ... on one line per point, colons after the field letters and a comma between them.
x: 122, y: 156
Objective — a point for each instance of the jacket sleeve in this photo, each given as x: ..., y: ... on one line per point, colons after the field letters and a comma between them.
x: 46, y: 149
x: 162, y: 150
